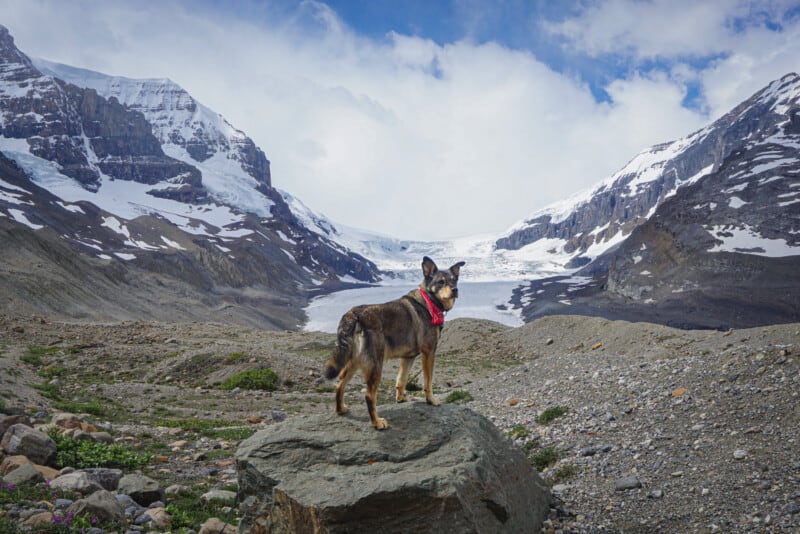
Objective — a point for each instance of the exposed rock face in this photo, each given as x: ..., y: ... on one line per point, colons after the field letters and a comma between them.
x: 627, y: 198
x: 723, y: 250
x: 173, y: 198
x: 436, y: 469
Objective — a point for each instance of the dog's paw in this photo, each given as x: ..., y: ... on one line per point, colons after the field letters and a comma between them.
x: 381, y: 423
x: 401, y: 398
x: 343, y: 410
x: 433, y: 401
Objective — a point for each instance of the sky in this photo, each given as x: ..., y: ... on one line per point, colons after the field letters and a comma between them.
x: 431, y: 120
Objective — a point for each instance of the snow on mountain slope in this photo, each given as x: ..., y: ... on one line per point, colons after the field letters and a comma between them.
x: 188, y: 132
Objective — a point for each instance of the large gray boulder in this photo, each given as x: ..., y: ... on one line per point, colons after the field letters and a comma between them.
x: 23, y: 440
x: 435, y: 469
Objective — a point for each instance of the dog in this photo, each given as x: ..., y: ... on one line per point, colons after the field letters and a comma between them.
x: 402, y: 328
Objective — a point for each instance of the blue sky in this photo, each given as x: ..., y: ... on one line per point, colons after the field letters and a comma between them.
x: 367, y: 109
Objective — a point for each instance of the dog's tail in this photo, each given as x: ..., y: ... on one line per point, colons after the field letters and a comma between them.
x: 344, y: 345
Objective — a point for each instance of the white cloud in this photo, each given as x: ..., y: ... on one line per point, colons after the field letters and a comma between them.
x: 403, y: 136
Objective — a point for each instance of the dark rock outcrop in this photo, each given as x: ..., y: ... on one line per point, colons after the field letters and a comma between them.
x: 436, y: 469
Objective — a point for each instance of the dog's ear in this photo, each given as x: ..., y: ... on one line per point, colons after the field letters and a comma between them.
x: 456, y: 268
x: 428, y: 268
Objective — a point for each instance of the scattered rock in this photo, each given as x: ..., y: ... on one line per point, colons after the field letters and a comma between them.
x: 142, y: 489
x: 627, y: 483
x: 219, y: 495
x: 101, y: 504
x: 76, y: 482
x: 23, y: 440
x: 217, y: 526
x: 24, y: 474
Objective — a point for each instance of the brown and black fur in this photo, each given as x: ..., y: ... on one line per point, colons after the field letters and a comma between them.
x: 369, y: 334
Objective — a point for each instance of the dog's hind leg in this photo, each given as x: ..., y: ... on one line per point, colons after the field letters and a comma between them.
x: 344, y: 378
x: 427, y: 371
x: 402, y: 379
x: 373, y: 380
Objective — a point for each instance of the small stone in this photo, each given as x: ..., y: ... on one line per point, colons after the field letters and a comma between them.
x: 513, y: 401
x: 793, y: 508
x: 549, y: 341
x: 739, y: 454
x: 627, y: 483
x: 597, y: 345
x: 655, y: 494
x: 278, y: 415
x: 254, y: 419
x: 679, y: 392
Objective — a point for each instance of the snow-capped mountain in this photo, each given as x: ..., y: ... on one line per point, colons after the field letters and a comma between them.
x: 137, y: 176
x: 720, y: 244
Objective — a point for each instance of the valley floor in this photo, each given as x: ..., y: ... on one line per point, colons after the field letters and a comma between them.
x: 701, y: 427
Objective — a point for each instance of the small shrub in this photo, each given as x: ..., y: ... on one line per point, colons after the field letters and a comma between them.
x: 263, y: 379
x: 82, y: 454
x: 551, y: 413
x: 520, y: 430
x: 545, y: 457
x: 458, y: 396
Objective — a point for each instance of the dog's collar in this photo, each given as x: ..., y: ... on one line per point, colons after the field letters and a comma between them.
x: 437, y: 314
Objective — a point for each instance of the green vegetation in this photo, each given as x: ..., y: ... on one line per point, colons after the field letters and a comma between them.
x: 82, y: 454
x: 63, y: 522
x: 188, y: 510
x: 520, y: 430
x: 263, y: 379
x: 551, y: 413
x: 458, y: 396
x: 562, y: 473
x: 545, y: 457
x: 235, y: 357
x: 94, y: 407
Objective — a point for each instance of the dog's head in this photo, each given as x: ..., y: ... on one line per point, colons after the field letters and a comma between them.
x: 443, y: 285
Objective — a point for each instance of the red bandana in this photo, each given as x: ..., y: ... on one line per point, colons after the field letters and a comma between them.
x: 437, y: 315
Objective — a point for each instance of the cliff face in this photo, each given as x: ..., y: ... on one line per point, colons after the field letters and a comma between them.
x: 630, y: 196
x: 721, y: 250
x: 139, y: 179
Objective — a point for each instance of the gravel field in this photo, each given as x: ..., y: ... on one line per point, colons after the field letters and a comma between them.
x: 663, y: 430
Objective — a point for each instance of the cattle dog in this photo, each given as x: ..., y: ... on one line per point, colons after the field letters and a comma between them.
x: 402, y: 328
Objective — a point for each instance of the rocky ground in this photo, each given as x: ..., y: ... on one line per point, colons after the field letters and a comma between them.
x: 665, y: 430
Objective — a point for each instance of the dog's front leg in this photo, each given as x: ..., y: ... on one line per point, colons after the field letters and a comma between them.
x: 427, y: 371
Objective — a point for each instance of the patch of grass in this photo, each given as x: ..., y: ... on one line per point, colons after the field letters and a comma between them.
x: 230, y: 434
x: 551, y: 413
x: 545, y: 457
x: 528, y: 446
x: 52, y: 371
x: 520, y: 430
x: 562, y: 473
x: 188, y: 511
x: 325, y: 389
x: 94, y: 407
x: 235, y: 357
x: 82, y: 454
x: 262, y: 379
x: 458, y: 396
x: 50, y: 391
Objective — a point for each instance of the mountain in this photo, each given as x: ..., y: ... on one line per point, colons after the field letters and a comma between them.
x: 144, y: 185
x: 706, y: 229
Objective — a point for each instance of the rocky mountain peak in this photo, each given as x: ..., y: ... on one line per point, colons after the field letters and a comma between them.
x: 14, y: 65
